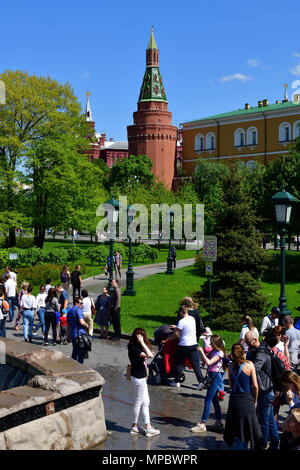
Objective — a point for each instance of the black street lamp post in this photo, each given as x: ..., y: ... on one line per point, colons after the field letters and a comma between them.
x: 170, y: 269
x: 131, y: 211
x: 112, y: 217
x: 283, y: 202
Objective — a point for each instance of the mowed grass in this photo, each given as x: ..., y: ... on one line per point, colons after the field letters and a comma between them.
x: 157, y: 299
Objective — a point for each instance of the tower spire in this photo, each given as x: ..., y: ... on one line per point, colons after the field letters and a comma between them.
x: 152, y: 88
x: 152, y: 43
x: 88, y: 111
x: 285, y: 99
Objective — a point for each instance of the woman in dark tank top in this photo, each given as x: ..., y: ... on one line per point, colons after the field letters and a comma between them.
x: 242, y: 426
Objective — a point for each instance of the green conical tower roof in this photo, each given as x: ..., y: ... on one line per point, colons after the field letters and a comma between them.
x: 152, y: 43
x: 152, y: 88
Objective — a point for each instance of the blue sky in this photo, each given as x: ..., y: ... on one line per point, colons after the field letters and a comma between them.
x: 215, y: 56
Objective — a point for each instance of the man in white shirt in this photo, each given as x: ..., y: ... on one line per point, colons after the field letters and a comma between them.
x: 10, y: 291
x: 271, y: 320
x: 187, y: 347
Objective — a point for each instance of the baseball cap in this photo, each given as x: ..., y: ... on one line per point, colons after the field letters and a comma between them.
x: 275, y: 310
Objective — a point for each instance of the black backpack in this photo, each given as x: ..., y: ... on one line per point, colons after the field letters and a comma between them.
x: 277, y: 370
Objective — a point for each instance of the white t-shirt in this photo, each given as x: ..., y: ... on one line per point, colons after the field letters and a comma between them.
x: 11, y: 287
x: 187, y: 326
x: 245, y: 330
x: 40, y: 300
x: 28, y: 302
x: 87, y: 305
x: 268, y: 322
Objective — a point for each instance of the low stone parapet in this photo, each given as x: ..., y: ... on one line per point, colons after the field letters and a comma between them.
x: 59, y: 408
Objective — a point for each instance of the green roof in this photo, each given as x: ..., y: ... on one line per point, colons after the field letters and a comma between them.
x: 152, y: 88
x: 256, y: 109
x: 152, y: 43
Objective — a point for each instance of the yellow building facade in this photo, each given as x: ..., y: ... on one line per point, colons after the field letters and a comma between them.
x: 251, y: 135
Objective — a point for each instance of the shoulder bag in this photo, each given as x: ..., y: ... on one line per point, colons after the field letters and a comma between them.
x: 83, y: 340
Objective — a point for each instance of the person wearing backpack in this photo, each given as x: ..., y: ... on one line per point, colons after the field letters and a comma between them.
x: 267, y: 378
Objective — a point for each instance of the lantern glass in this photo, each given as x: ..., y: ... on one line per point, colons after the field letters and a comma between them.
x: 283, y: 213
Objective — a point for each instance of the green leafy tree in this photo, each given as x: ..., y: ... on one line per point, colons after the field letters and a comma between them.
x: 241, y: 259
x: 35, y: 109
x: 66, y: 187
x: 129, y: 173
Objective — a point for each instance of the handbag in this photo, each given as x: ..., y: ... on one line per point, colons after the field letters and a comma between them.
x: 94, y: 311
x: 128, y: 372
x: 208, y: 381
x: 83, y: 341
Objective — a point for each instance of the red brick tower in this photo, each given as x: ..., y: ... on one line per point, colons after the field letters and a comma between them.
x: 152, y: 133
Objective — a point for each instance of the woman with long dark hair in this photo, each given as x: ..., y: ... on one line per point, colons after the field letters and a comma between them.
x: 139, y: 349
x: 242, y: 425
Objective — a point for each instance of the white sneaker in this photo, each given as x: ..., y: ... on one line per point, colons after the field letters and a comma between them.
x: 134, y: 430
x: 200, y: 386
x: 200, y: 427
x: 151, y: 432
x: 174, y: 384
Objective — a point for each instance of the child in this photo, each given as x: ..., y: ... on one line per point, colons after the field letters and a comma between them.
x: 63, y: 327
x: 206, y: 340
x: 48, y: 285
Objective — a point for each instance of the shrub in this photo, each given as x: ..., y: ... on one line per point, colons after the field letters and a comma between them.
x: 4, y: 258
x: 271, y: 272
x: 142, y: 253
x: 58, y: 255
x: 74, y: 253
x: 33, y: 256
x: 23, y: 242
x: 98, y: 254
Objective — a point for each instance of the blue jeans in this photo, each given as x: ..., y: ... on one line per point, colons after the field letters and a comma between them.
x: 266, y: 419
x: 41, y: 314
x: 28, y: 318
x: 76, y: 353
x: 2, y: 328
x: 212, y: 397
x: 11, y: 301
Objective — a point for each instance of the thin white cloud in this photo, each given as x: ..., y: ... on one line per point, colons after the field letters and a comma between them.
x: 235, y: 76
x: 253, y: 62
x: 84, y: 75
x: 296, y: 54
x: 295, y: 70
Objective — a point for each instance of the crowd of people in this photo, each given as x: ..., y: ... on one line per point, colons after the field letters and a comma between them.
x: 257, y: 388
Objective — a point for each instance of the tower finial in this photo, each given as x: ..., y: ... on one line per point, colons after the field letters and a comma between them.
x: 285, y: 99
x: 152, y: 43
x: 88, y: 111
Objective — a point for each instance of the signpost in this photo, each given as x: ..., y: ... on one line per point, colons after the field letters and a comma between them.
x: 209, y: 256
x: 13, y: 257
